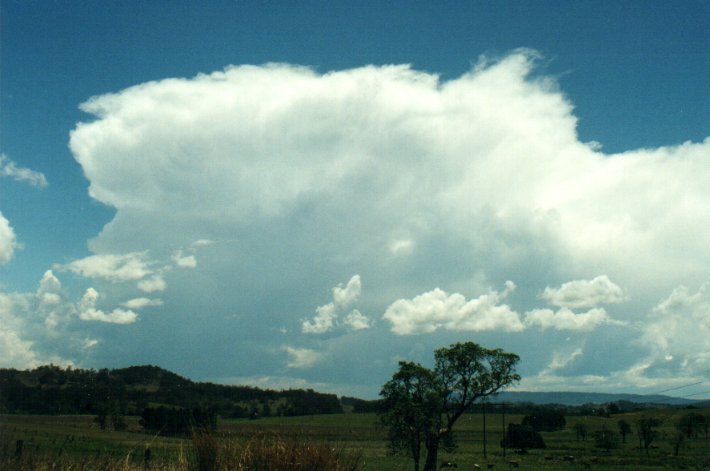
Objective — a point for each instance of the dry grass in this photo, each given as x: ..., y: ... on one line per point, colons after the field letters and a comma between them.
x: 208, y: 453
x: 270, y: 453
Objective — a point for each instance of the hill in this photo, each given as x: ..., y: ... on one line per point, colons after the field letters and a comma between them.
x: 53, y: 390
x: 581, y: 398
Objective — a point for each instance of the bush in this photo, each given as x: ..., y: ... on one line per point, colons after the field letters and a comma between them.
x: 522, y: 437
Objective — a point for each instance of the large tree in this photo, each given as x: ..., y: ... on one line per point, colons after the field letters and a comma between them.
x: 421, y: 405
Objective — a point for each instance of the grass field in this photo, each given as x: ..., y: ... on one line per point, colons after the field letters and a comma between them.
x: 76, y: 442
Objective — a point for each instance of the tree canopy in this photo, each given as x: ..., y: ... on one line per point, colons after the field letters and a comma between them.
x: 421, y: 405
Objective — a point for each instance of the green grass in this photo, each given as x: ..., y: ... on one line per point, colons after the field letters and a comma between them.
x: 68, y: 440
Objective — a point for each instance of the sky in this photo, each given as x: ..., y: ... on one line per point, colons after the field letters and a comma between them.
x: 302, y: 194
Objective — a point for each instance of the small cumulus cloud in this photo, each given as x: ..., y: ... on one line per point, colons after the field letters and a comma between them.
x: 203, y: 243
x: 90, y: 343
x: 436, y: 310
x: 8, y: 168
x: 344, y: 296
x: 125, y: 267
x: 88, y: 311
x: 401, y: 247
x: 566, y: 319
x: 139, y: 303
x: 302, y: 357
x: 326, y: 318
x: 184, y: 261
x: 152, y: 284
x: 584, y: 293
x: 357, y: 320
x: 322, y: 322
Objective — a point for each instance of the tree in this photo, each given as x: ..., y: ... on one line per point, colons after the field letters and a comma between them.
x: 421, y: 405
x: 581, y: 431
x: 101, y: 418
x: 411, y: 405
x: 606, y: 439
x: 691, y: 424
x: 546, y: 420
x: 522, y: 437
x: 645, y: 428
x: 624, y: 429
x: 677, y: 440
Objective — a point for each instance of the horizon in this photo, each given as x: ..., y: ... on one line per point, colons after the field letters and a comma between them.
x: 678, y: 400
x: 303, y: 195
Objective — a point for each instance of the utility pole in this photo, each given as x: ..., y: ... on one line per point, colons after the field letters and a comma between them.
x: 483, y: 404
x: 503, y: 416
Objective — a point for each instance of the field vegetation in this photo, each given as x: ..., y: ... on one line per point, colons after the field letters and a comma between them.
x: 344, y: 442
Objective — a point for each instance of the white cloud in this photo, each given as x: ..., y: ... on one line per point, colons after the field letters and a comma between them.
x: 357, y: 320
x: 678, y: 328
x: 15, y: 352
x: 90, y: 343
x: 401, y: 247
x: 322, y: 322
x: 491, y: 158
x: 344, y: 297
x: 125, y: 267
x: 326, y: 318
x: 139, y: 303
x: 184, y: 261
x: 8, y: 168
x: 397, y: 175
x: 49, y: 291
x: 583, y: 293
x: 7, y: 240
x: 152, y: 284
x: 565, y: 319
x: 88, y: 311
x: 436, y: 309
x: 302, y: 357
x: 33, y: 326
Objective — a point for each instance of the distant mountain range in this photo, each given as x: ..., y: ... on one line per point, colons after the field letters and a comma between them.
x: 580, y: 398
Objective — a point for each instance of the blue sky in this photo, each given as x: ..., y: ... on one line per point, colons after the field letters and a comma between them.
x: 301, y: 194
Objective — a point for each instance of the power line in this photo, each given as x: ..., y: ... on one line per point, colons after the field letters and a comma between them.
x: 698, y: 394
x: 679, y: 387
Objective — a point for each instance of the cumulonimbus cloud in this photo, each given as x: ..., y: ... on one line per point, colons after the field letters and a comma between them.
x: 400, y: 173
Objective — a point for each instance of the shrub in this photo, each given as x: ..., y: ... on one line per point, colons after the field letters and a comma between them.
x: 522, y: 437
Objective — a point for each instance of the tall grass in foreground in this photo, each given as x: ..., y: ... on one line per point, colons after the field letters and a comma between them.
x: 270, y: 453
x: 209, y: 453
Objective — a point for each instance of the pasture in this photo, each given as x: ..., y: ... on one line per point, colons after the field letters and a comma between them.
x: 34, y: 442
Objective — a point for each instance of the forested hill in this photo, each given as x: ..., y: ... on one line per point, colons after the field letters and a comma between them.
x: 53, y: 390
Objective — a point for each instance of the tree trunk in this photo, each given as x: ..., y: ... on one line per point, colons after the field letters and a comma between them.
x: 432, y: 456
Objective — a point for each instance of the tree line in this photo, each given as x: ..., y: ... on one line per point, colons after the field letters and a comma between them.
x: 50, y: 389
